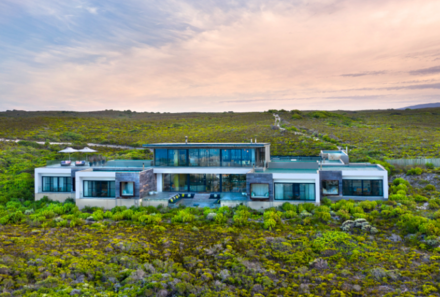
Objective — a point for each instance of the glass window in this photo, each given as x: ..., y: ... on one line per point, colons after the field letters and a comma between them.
x: 161, y: 157
x: 179, y: 182
x: 330, y: 187
x: 226, y: 158
x: 99, y: 189
x: 235, y: 158
x: 127, y: 189
x: 248, y: 157
x: 197, y: 183
x: 212, y: 182
x: 362, y: 187
x: 260, y: 190
x: 234, y: 183
x: 193, y: 157
x: 295, y: 191
x: 214, y: 157
x: 57, y: 184
x: 183, y: 157
x: 203, y: 158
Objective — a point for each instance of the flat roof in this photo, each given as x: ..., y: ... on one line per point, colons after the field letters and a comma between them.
x: 204, y: 144
x: 353, y: 168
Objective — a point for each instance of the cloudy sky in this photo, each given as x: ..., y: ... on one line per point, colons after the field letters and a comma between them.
x: 191, y: 55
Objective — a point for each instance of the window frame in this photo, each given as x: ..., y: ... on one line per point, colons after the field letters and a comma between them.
x: 67, y: 181
x: 108, y: 185
x: 293, y: 191
x: 322, y: 187
x: 362, y: 187
x: 120, y: 189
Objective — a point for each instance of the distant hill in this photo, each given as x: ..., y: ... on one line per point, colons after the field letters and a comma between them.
x: 419, y: 106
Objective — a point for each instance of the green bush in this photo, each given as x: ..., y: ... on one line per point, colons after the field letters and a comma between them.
x: 433, y: 204
x: 184, y: 216
x: 415, y: 171
x: 399, y: 181
x: 429, y: 165
x: 297, y: 117
x: 326, y: 201
x: 420, y: 198
x: 288, y: 206
x: 429, y: 188
x: 271, y: 219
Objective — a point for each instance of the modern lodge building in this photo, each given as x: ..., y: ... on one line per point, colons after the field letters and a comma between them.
x: 228, y: 173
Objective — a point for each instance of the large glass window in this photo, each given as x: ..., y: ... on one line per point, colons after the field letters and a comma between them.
x: 161, y: 157
x: 260, y: 191
x: 57, y: 184
x: 330, y: 187
x: 205, y: 157
x: 234, y: 183
x: 127, y: 189
x: 175, y: 182
x: 99, y: 189
x: 362, y: 187
x: 295, y: 191
x: 197, y: 183
x: 212, y: 182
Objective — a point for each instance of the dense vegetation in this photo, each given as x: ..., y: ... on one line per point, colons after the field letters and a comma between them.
x: 344, y: 248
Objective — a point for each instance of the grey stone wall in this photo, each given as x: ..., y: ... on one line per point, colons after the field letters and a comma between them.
x: 127, y: 177
x: 255, y: 178
x: 330, y: 175
x: 147, y: 181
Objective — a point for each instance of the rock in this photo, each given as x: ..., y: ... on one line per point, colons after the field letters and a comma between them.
x: 108, y: 249
x: 138, y: 274
x: 162, y: 293
x: 149, y: 268
x: 75, y: 292
x: 211, y: 216
x: 274, y: 127
x: 304, y: 289
x: 319, y: 264
x: 395, y: 238
x: 257, y: 288
x: 357, y: 288
x: 224, y: 274
x: 45, y: 274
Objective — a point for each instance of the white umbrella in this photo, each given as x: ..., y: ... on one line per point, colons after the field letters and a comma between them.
x: 87, y: 150
x: 68, y: 150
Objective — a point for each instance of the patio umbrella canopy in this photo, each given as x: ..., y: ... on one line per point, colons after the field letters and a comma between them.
x: 68, y: 150
x: 87, y: 150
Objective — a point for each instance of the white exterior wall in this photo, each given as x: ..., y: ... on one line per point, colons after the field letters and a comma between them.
x: 159, y: 182
x: 46, y: 171
x: 298, y: 178
x: 91, y: 175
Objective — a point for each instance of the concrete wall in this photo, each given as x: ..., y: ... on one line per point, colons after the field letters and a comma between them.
x: 330, y: 175
x: 259, y: 205
x: 147, y: 182
x: 107, y: 203
x: 255, y: 178
x: 127, y: 177
x: 61, y: 197
x: 48, y: 171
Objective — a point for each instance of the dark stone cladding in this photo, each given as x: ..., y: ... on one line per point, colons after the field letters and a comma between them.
x: 127, y: 177
x: 147, y: 182
x: 330, y: 175
x: 259, y: 178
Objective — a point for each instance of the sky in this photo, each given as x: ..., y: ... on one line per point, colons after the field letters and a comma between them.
x: 215, y: 56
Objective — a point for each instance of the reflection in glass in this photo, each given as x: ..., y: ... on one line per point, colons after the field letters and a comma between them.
x: 234, y: 183
x: 197, y: 183
x: 99, y: 189
x: 127, y: 188
x: 57, y: 184
x: 260, y: 191
x: 362, y: 187
x: 212, y: 182
x: 295, y: 191
x: 161, y: 157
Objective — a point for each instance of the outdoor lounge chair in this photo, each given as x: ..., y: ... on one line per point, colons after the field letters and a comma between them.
x: 80, y: 163
x: 66, y: 163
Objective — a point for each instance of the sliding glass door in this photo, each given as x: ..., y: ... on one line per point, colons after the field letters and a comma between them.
x: 295, y: 191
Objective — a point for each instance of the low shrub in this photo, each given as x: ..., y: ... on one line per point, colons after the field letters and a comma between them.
x: 429, y: 188
x: 429, y: 165
x: 415, y: 171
